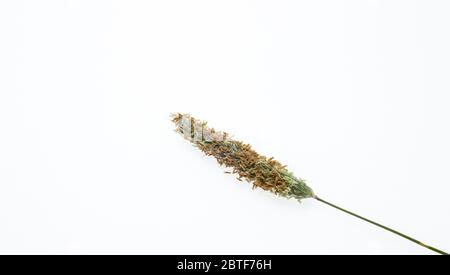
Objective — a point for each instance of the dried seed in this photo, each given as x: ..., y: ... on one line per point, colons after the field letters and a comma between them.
x: 262, y: 172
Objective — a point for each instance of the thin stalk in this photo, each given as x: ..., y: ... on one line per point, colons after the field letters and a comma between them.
x: 384, y: 227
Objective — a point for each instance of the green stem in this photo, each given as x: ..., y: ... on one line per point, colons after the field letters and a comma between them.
x: 384, y: 227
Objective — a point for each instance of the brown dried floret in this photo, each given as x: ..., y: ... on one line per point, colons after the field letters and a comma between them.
x: 262, y: 172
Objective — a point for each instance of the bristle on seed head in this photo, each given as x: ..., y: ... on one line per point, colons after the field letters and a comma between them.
x: 262, y: 172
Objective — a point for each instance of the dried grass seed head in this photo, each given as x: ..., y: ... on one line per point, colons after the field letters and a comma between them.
x: 262, y: 172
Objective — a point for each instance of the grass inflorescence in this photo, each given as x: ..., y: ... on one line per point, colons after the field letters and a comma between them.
x: 262, y: 172
x: 246, y: 163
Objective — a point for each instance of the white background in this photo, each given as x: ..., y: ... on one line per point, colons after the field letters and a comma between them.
x: 352, y: 95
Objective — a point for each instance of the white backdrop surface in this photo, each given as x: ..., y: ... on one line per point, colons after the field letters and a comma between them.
x: 352, y: 95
